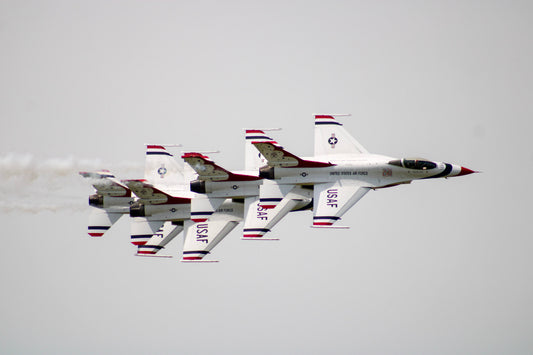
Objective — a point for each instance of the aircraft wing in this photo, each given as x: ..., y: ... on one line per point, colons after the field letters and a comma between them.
x: 106, y: 184
x: 261, y: 218
x: 276, y: 155
x: 202, y: 237
x: 166, y: 233
x: 150, y: 195
x: 100, y: 220
x: 203, y: 207
x: 332, y: 200
x: 143, y: 229
x: 207, y: 170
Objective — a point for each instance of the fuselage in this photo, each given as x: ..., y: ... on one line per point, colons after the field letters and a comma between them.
x: 371, y: 170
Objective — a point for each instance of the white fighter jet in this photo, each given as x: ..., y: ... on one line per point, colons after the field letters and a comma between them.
x: 163, y: 209
x: 111, y: 201
x: 163, y: 201
x: 214, y: 185
x: 341, y: 171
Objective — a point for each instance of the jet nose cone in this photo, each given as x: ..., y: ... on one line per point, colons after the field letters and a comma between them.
x: 466, y: 171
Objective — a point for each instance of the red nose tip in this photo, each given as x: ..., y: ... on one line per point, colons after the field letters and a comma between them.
x: 465, y: 171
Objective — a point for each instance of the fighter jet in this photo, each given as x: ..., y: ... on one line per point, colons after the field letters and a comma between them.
x: 163, y: 202
x: 341, y: 171
x: 215, y: 184
x: 163, y: 209
x: 111, y: 201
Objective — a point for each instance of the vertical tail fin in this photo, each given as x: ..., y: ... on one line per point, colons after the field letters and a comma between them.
x: 331, y: 138
x: 163, y: 171
x: 253, y: 159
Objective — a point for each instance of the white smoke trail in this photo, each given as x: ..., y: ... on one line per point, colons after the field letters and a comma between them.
x: 31, y: 185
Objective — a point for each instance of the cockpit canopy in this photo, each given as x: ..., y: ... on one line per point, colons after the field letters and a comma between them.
x: 414, y: 163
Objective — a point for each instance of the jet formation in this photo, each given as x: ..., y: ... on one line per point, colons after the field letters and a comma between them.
x: 206, y: 202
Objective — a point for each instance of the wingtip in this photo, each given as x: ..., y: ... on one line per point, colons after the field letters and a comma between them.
x: 194, y: 155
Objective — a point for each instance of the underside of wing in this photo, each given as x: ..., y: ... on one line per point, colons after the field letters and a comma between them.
x: 166, y: 233
x: 332, y: 200
x: 260, y: 218
x: 203, y: 207
x: 143, y: 229
x: 101, y: 220
x: 201, y: 238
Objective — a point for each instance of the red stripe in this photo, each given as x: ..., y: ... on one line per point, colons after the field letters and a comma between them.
x: 268, y: 207
x: 254, y: 131
x: 145, y: 252
x: 138, y: 243
x: 194, y: 155
x: 253, y: 235
x: 96, y: 234
x: 155, y: 147
x: 192, y: 258
x: 322, y: 224
x: 266, y: 142
x: 198, y: 220
x: 324, y: 116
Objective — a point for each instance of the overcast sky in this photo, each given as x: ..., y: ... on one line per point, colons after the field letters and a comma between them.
x: 435, y: 267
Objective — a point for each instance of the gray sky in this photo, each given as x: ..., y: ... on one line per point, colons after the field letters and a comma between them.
x: 436, y: 267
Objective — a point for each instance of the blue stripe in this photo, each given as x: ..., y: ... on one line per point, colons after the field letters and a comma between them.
x: 327, y: 217
x: 141, y: 236
x: 446, y: 172
x: 201, y: 213
x: 159, y: 153
x: 99, y: 227
x: 328, y: 123
x: 270, y: 199
x: 258, y: 137
x: 196, y: 252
